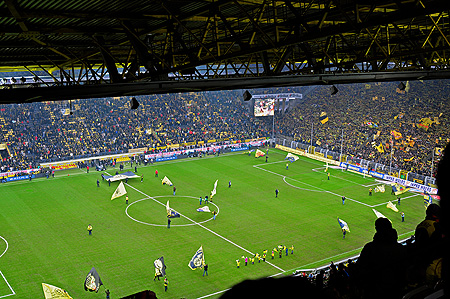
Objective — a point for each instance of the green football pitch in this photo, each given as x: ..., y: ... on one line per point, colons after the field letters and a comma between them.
x: 44, y: 238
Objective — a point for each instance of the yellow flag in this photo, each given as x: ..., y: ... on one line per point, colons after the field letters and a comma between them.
x: 380, y: 148
x: 380, y: 189
x: 166, y: 181
x: 259, y: 153
x: 52, y: 292
x: 119, y: 191
x: 391, y: 206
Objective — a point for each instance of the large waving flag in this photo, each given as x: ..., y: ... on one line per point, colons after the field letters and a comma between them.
x: 379, y: 215
x: 119, y: 191
x: 92, y: 281
x: 213, y: 192
x: 380, y: 148
x: 323, y: 117
x: 399, y: 189
x: 166, y: 181
x: 52, y: 292
x: 171, y: 213
x: 291, y: 157
x: 391, y: 206
x: 203, y: 209
x: 198, y: 260
x: 121, y: 176
x: 259, y: 153
x: 160, y: 267
x: 380, y: 189
x: 343, y: 225
x: 427, y: 200
x: 397, y: 135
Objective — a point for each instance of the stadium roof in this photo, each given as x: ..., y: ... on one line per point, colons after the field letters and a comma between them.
x: 82, y: 48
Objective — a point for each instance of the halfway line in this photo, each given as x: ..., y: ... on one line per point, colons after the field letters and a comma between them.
x: 211, y: 231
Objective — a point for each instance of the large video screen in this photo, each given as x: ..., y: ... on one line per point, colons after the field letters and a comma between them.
x: 264, y: 107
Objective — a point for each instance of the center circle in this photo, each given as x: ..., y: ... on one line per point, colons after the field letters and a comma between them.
x: 6, y: 249
x: 158, y: 202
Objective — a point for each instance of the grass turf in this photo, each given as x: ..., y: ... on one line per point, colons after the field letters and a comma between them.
x: 44, y: 223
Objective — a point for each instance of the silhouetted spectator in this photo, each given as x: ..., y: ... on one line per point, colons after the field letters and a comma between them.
x: 381, y: 265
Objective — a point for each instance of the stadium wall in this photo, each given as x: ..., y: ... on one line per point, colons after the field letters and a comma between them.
x: 304, y: 153
x: 163, y: 153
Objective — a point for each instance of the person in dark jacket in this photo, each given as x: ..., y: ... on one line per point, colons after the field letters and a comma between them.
x: 381, y: 265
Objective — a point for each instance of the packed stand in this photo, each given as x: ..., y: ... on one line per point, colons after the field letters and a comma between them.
x: 366, y: 116
x: 40, y: 132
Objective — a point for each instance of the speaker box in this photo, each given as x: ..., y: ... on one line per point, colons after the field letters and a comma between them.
x: 247, y: 96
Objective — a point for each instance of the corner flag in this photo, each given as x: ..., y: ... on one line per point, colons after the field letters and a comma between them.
x: 119, y: 191
x: 198, y: 260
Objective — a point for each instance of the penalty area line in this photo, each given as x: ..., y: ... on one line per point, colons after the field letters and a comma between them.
x: 320, y: 189
x: 380, y: 204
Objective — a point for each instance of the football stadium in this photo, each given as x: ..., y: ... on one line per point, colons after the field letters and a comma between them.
x: 289, y: 206
x: 224, y: 149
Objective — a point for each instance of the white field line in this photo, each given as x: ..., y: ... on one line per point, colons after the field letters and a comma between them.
x: 283, y: 176
x: 303, y: 267
x: 7, y: 246
x: 13, y: 293
x: 284, y: 179
x: 323, y: 190
x: 211, y: 231
x: 380, y: 204
x: 370, y: 185
x: 152, y: 224
x: 316, y: 170
x: 212, y: 294
x: 320, y: 189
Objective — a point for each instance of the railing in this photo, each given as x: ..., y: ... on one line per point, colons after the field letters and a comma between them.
x: 370, y: 165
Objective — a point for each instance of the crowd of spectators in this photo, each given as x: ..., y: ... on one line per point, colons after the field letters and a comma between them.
x: 40, y: 132
x: 363, y: 114
x: 366, y: 114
